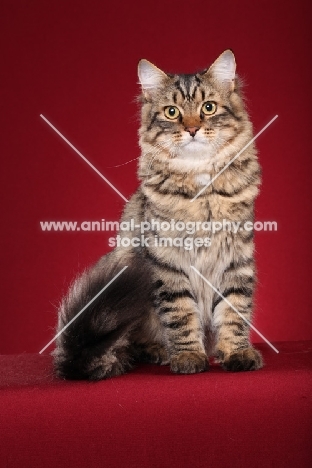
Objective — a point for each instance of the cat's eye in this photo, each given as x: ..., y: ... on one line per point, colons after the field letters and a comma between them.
x: 209, y: 108
x: 172, y: 112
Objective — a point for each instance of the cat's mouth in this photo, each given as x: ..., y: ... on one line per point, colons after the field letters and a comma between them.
x: 196, y: 141
x: 197, y: 137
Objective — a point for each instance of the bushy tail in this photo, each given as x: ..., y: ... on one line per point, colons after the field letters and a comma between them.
x: 96, y: 344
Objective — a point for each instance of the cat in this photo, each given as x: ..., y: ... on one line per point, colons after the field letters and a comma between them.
x: 159, y: 309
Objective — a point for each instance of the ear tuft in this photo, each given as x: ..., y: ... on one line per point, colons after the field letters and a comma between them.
x: 223, y: 69
x: 150, y: 76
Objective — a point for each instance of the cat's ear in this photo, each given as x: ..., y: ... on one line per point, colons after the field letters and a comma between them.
x: 223, y: 70
x: 151, y: 78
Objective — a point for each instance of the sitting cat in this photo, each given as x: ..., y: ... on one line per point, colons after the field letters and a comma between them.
x: 160, y: 309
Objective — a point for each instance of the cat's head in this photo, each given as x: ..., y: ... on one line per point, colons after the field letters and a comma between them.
x: 191, y: 118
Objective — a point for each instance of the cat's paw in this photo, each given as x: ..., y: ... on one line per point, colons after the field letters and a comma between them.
x: 109, y: 365
x: 243, y: 360
x: 153, y: 353
x: 189, y: 362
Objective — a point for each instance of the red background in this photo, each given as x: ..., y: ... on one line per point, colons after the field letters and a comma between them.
x: 75, y: 62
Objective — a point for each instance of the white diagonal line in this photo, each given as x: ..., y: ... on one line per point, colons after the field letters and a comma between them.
x: 83, y: 157
x: 234, y: 308
x: 235, y: 157
x: 83, y: 309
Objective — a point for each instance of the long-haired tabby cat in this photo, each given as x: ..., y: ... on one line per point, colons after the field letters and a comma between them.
x: 159, y: 309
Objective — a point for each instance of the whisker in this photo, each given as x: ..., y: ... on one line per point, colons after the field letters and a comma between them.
x: 165, y: 144
x: 123, y: 164
x: 134, y: 159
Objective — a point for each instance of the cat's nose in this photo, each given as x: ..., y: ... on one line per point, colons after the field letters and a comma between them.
x: 192, y: 130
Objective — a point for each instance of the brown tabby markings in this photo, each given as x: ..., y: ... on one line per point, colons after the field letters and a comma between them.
x: 163, y: 311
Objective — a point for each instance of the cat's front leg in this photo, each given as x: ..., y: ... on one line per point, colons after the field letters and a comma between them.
x: 233, y: 347
x: 178, y: 314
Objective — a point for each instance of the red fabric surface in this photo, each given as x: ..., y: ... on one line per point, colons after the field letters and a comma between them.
x: 75, y: 62
x: 151, y: 418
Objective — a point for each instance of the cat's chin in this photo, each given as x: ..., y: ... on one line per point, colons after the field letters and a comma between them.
x: 201, y: 150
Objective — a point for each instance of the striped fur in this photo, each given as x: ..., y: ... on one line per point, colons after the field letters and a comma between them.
x: 160, y: 310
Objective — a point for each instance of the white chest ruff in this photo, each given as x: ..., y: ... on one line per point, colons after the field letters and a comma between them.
x: 203, y: 178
